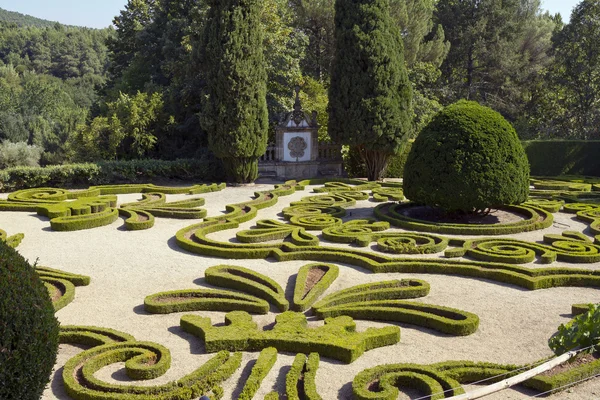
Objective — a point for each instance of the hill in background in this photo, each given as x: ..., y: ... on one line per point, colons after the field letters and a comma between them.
x: 24, y: 20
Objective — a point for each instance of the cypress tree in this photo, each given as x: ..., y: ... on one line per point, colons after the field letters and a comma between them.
x: 370, y: 96
x: 235, y: 108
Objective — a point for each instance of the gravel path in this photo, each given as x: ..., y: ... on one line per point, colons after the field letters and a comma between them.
x: 125, y: 266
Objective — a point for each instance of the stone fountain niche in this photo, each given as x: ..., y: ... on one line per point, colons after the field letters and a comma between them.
x: 296, y: 153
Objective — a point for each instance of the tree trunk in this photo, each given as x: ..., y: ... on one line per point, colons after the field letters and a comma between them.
x: 376, y: 162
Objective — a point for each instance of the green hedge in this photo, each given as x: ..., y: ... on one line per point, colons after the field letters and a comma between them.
x: 248, y: 281
x: 563, y: 157
x: 143, y: 360
x: 442, y: 319
x: 572, y: 247
x: 300, y: 380
x: 536, y: 218
x: 261, y: 368
x: 108, y: 172
x: 304, y: 296
x: 91, y: 335
x: 382, y: 382
x: 203, y: 299
x: 337, y: 339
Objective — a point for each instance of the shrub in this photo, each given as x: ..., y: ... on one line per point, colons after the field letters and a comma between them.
x: 468, y: 158
x: 19, y: 154
x: 563, y: 157
x: 28, y: 329
x: 583, y: 331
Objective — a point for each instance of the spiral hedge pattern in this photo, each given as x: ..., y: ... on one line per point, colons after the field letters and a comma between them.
x: 97, y: 206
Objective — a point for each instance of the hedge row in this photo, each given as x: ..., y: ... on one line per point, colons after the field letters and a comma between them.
x: 382, y: 382
x: 387, y: 194
x: 536, y: 218
x: 268, y: 229
x: 61, y: 285
x: 306, y: 291
x: 300, y: 380
x: 572, y: 247
x: 91, y: 335
x: 194, y: 239
x: 563, y: 157
x: 249, y: 281
x: 261, y: 368
x: 143, y: 360
x: 337, y: 339
x: 383, y: 290
x: 203, y: 300
x: 108, y: 172
x: 442, y: 319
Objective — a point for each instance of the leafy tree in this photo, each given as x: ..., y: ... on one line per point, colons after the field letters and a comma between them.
x: 235, y: 108
x: 499, y: 50
x: 126, y: 132
x: 370, y: 95
x: 577, y: 70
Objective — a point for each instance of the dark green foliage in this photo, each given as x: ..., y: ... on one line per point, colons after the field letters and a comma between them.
x: 109, y: 172
x: 468, y: 158
x: 235, y: 108
x: 563, y: 157
x: 370, y: 95
x: 28, y: 329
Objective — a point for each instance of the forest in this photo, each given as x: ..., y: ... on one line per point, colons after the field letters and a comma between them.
x: 134, y: 91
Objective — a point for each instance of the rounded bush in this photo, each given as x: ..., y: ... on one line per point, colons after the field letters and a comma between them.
x: 468, y: 158
x: 28, y: 329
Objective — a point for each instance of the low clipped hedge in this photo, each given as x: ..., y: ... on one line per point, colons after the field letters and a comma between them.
x: 442, y: 319
x: 203, y: 300
x: 381, y: 382
x: 572, y: 247
x: 107, y: 172
x: 563, y: 157
x: 536, y: 218
x: 304, y: 297
x: 28, y: 329
x: 249, y: 281
x: 266, y: 360
x: 143, y: 360
x: 300, y: 380
x: 337, y: 339
x: 92, y: 336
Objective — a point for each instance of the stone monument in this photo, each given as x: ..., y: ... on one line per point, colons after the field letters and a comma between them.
x: 297, y: 153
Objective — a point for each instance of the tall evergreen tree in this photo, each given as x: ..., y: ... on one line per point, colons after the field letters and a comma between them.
x: 235, y: 107
x: 370, y: 96
x: 577, y: 71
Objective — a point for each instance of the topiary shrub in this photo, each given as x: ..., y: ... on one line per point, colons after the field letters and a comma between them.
x: 28, y: 329
x: 468, y: 158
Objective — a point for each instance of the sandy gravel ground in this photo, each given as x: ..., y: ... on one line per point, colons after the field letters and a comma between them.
x: 515, y: 324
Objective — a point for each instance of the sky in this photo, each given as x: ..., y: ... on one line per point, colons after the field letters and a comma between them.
x: 100, y: 13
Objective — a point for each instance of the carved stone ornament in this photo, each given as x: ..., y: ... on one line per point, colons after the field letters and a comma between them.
x: 297, y: 145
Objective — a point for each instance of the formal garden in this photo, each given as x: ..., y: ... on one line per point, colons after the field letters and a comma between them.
x: 185, y: 235
x: 311, y: 289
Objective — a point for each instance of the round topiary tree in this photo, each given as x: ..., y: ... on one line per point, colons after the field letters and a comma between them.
x: 28, y: 329
x: 467, y: 159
